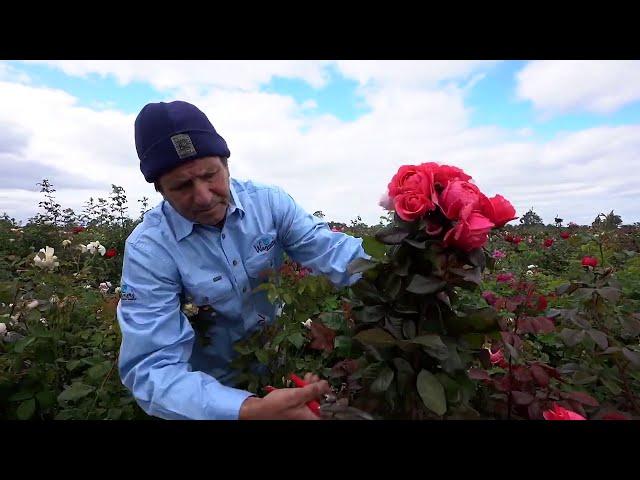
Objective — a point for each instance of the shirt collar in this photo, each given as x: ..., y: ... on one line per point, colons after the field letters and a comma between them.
x: 183, y: 227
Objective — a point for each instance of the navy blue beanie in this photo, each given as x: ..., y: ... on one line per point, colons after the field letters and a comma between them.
x: 170, y: 134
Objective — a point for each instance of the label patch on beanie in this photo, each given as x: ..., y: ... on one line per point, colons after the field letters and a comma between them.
x: 183, y: 145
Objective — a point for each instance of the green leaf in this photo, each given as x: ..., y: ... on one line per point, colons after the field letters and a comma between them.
x: 392, y: 235
x: 633, y: 357
x: 415, y: 244
x: 75, y: 392
x: 433, y: 344
x: 405, y: 373
x: 599, y: 337
x: 46, y: 399
x: 376, y: 337
x: 402, y: 267
x: 431, y: 392
x: 342, y: 345
x: 369, y: 314
x: 421, y: 285
x: 611, y: 385
x: 263, y: 356
x: 609, y: 293
x: 361, y: 265
x: 380, y: 384
x: 23, y: 343
x: 26, y: 409
x: 20, y: 396
x: 568, y: 288
x: 474, y: 320
x: 409, y: 329
x: 99, y: 371
x: 571, y: 337
x: 373, y: 247
x: 297, y: 339
x: 392, y: 286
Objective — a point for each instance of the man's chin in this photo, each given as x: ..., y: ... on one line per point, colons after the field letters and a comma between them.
x: 212, y: 217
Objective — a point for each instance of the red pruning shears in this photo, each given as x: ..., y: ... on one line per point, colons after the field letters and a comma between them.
x: 313, y: 405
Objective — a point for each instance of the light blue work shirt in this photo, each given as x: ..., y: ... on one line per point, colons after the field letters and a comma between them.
x: 169, y: 259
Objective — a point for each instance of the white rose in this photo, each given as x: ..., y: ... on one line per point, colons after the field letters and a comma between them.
x: 54, y: 299
x: 3, y: 329
x: 66, y: 243
x: 307, y: 323
x: 46, y: 259
x: 529, y: 272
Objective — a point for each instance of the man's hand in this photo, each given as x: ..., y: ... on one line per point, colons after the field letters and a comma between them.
x: 286, y: 403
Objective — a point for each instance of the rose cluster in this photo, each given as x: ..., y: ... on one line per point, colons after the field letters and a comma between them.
x: 449, y: 203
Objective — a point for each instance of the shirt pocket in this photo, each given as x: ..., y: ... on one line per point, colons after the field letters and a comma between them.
x: 213, y: 291
x: 260, y: 265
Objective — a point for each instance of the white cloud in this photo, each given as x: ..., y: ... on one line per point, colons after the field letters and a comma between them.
x: 561, y: 86
x: 327, y: 164
x: 412, y: 73
x: 168, y: 74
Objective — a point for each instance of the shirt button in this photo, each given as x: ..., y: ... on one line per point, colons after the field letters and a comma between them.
x: 235, y: 262
x: 224, y: 236
x: 244, y: 289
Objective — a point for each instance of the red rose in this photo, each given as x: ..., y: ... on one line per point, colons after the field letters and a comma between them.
x: 78, y: 230
x: 565, y: 235
x: 548, y: 242
x: 410, y: 178
x: 460, y: 198
x: 469, y: 233
x: 112, y: 252
x: 560, y: 413
x: 412, y: 205
x: 500, y: 211
x: 589, y: 262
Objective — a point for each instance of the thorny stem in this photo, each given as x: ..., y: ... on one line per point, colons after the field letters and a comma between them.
x: 627, y: 388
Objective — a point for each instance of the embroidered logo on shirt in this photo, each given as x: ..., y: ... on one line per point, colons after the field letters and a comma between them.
x: 126, y: 292
x: 183, y: 145
x: 264, y: 243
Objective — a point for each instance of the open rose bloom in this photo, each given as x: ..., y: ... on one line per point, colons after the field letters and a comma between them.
x: 450, y: 206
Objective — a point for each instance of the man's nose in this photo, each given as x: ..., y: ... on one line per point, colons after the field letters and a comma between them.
x: 202, y: 197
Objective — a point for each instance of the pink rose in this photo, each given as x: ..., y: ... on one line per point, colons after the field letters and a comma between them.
x: 489, y: 297
x: 497, y: 358
x: 410, y: 178
x: 459, y: 199
x: 412, y: 206
x: 589, y: 262
x: 500, y: 211
x: 504, y: 277
x: 433, y: 228
x: 443, y: 174
x: 560, y: 413
x: 469, y: 233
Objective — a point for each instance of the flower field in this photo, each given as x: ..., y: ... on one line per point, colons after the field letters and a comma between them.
x: 463, y: 312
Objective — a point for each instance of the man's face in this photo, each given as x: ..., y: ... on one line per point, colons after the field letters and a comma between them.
x: 198, y: 190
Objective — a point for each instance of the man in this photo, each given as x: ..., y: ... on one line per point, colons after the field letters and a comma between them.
x: 207, y: 243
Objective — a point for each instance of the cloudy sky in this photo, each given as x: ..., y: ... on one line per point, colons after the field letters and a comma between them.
x: 562, y: 137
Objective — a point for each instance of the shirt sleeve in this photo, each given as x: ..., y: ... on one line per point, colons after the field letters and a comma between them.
x: 309, y: 241
x: 157, y: 340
